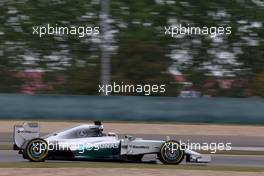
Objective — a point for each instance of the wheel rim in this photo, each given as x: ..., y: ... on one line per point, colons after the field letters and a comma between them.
x: 37, y: 150
x: 171, y: 152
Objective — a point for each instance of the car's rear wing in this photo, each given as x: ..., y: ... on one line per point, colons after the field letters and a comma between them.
x: 24, y: 133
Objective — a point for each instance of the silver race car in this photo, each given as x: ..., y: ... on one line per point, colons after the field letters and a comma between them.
x: 89, y: 142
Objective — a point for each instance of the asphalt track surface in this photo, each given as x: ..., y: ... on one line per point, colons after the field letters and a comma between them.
x: 217, y: 160
x: 234, y: 160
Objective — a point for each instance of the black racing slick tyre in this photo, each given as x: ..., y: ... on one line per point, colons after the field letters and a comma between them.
x: 171, y: 152
x: 36, y: 150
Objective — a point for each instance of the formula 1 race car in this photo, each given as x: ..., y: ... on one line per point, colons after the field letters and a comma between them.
x: 88, y: 142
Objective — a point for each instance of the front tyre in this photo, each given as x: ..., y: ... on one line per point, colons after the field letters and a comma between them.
x: 171, y: 152
x: 37, y: 150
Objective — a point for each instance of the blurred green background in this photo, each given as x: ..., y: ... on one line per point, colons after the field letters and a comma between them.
x: 224, y: 66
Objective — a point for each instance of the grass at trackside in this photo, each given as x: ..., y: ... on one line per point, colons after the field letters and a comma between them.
x: 127, y: 165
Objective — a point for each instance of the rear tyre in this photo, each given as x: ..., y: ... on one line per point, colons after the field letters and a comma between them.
x: 171, y: 152
x: 36, y: 150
